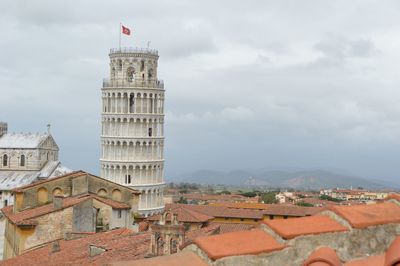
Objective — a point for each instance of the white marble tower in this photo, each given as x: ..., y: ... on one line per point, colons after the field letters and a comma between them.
x: 132, y: 136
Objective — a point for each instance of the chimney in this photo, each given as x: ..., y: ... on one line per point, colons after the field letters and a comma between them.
x: 94, y: 251
x: 57, y: 202
x: 55, y: 247
x: 3, y: 128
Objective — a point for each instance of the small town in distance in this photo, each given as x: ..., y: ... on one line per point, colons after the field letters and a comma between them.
x: 131, y: 212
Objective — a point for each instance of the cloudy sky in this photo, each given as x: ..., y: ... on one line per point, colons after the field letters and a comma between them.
x: 249, y: 84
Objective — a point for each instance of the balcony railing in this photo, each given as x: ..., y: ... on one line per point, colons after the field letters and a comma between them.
x: 118, y: 83
x: 133, y: 50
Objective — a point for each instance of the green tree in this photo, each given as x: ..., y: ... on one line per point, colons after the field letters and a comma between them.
x: 269, y: 197
x: 304, y: 204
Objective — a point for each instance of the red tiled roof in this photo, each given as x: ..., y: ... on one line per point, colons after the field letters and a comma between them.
x: 184, y: 215
x: 272, y: 209
x: 232, y: 227
x: 191, y: 235
x: 323, y: 257
x: 24, y: 217
x: 361, y: 216
x: 238, y: 243
x: 119, y: 244
x: 178, y: 259
x: 72, y: 174
x: 394, y: 196
x: 219, y: 211
x: 291, y: 228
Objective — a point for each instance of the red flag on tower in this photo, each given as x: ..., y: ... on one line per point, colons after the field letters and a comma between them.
x: 125, y: 30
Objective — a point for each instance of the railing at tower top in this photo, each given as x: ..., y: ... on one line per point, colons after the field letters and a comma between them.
x: 141, y: 83
x: 133, y: 50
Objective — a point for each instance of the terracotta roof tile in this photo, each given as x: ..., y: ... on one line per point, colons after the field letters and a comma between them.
x: 185, y: 215
x: 238, y: 243
x: 72, y: 175
x: 219, y: 211
x: 178, y: 259
x: 291, y: 228
x: 272, y: 209
x: 323, y: 257
x: 394, y: 196
x: 22, y: 216
x: 232, y: 227
x: 119, y: 244
x: 361, y: 216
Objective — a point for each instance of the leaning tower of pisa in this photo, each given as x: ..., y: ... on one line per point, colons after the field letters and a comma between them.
x: 132, y: 136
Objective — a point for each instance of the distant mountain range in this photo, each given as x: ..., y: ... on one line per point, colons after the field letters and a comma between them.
x: 298, y: 179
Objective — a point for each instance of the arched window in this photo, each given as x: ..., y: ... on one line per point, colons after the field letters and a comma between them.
x: 119, y: 64
x: 142, y: 65
x: 102, y: 192
x: 128, y: 179
x: 5, y: 160
x: 130, y: 74
x: 116, y: 195
x: 57, y: 192
x: 132, y: 103
x: 113, y: 72
x: 47, y: 156
x: 150, y: 131
x: 42, y: 195
x: 22, y: 160
x: 150, y: 74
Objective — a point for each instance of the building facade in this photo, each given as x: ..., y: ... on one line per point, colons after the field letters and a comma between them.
x: 64, y: 207
x: 132, y: 136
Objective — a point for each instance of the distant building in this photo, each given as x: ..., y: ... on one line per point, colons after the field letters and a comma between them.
x: 26, y: 158
x: 66, y: 207
x: 132, y: 137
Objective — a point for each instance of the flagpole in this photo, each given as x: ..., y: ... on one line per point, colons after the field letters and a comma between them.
x: 120, y: 26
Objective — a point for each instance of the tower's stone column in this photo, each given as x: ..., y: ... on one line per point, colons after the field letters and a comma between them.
x: 132, y: 125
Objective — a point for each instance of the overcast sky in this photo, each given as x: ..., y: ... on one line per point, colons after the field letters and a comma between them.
x: 249, y: 84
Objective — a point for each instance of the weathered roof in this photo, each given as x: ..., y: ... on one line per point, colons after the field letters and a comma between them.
x: 22, y: 140
x: 177, y: 259
x: 250, y: 242
x: 72, y: 174
x: 184, y: 215
x: 26, y: 216
x: 291, y: 228
x: 219, y: 211
x: 119, y: 244
x: 361, y: 216
x: 232, y: 227
x: 271, y: 209
x: 10, y: 180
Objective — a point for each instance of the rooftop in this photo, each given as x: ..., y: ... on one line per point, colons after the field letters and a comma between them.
x: 25, y: 217
x: 233, y: 244
x: 219, y: 211
x: 181, y: 258
x: 184, y: 215
x: 291, y: 228
x: 117, y: 244
x: 22, y: 140
x: 132, y: 50
x: 361, y: 216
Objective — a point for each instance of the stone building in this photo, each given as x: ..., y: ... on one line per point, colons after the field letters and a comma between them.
x: 132, y: 136
x: 25, y: 158
x: 66, y: 207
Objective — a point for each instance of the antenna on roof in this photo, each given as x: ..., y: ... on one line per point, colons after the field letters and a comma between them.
x: 48, y: 129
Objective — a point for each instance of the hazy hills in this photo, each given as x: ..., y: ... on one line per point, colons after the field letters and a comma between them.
x: 299, y: 179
